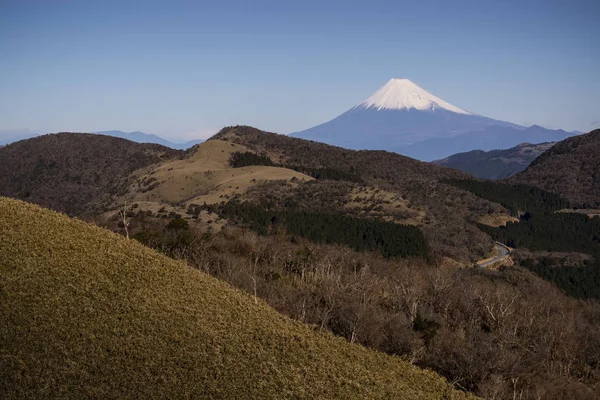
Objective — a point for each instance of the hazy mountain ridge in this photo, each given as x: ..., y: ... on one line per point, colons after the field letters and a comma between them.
x: 495, y: 164
x: 11, y: 136
x: 141, y: 137
x: 495, y: 137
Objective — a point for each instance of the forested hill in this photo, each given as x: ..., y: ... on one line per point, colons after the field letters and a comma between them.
x: 369, y: 164
x: 444, y: 212
x: 69, y: 171
x: 571, y: 168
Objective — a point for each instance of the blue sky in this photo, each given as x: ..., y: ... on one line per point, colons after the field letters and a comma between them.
x: 185, y: 68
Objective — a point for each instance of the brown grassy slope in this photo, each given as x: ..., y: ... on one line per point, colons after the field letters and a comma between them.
x: 571, y: 168
x: 369, y: 164
x: 73, y: 172
x: 84, y: 313
x: 204, y: 175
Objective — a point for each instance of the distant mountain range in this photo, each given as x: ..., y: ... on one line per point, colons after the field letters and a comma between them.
x: 14, y: 135
x: 10, y: 136
x: 492, y: 138
x: 495, y: 164
x: 404, y: 118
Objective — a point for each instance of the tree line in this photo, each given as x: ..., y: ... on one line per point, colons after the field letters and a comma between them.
x: 516, y: 198
x: 561, y: 232
x: 387, y: 238
x: 244, y: 159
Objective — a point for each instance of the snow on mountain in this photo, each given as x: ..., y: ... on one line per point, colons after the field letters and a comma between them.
x: 400, y: 113
x: 403, y: 94
x: 403, y: 117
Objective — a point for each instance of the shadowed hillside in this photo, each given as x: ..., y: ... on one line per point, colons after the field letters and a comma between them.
x: 74, y: 172
x: 85, y: 313
x: 495, y: 164
x: 570, y: 168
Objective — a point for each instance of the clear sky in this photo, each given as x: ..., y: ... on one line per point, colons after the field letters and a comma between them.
x: 182, y: 69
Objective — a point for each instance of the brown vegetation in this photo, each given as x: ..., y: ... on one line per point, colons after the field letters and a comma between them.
x: 571, y: 168
x: 203, y: 176
x: 497, y: 333
x: 85, y: 313
x: 446, y: 214
x: 74, y: 172
x: 497, y: 220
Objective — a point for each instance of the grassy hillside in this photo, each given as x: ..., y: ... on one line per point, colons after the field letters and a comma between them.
x: 205, y: 175
x: 74, y: 172
x: 570, y: 168
x: 85, y: 313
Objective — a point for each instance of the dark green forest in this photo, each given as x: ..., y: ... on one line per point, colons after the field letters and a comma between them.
x: 581, y: 282
x: 387, y: 238
x: 561, y: 232
x: 541, y: 228
x: 247, y: 158
x: 516, y: 198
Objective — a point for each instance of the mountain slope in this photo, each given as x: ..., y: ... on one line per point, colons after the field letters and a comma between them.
x: 85, y: 313
x: 570, y: 168
x: 399, y: 113
x: 495, y: 164
x: 370, y: 164
x: 203, y: 176
x: 406, y: 119
x: 495, y: 137
x: 412, y: 188
x: 73, y: 172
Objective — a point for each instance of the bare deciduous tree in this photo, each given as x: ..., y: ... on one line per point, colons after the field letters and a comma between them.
x: 124, y: 219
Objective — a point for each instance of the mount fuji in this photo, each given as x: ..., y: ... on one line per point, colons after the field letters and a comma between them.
x: 405, y: 118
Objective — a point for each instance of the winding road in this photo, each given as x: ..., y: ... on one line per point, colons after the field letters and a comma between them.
x: 503, y: 250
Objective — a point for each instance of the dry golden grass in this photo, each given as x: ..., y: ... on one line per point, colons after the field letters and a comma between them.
x: 394, y: 208
x: 204, y: 218
x: 205, y: 176
x: 497, y: 220
x: 85, y: 313
x: 590, y: 212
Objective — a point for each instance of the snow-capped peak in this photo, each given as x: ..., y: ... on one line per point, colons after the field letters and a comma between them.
x: 402, y: 94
